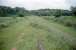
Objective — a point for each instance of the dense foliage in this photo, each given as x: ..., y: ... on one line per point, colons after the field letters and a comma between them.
x: 17, y: 11
x: 8, y: 11
x: 51, y: 12
x: 73, y: 10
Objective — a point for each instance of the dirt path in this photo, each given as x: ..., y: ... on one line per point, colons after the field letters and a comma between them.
x: 39, y: 45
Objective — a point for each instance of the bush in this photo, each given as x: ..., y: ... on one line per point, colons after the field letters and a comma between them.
x: 57, y: 15
x: 74, y: 25
x: 68, y: 24
x: 3, y: 25
x: 21, y: 15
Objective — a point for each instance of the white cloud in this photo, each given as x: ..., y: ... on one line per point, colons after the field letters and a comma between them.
x: 37, y: 4
x: 71, y: 2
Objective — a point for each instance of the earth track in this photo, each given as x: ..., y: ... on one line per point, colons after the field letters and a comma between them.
x: 39, y: 45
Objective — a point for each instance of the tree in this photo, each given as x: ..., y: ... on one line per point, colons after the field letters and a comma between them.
x: 58, y: 13
x: 8, y: 11
x: 73, y: 10
x: 3, y: 11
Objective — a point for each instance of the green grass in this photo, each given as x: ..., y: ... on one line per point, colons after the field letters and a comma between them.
x: 25, y: 34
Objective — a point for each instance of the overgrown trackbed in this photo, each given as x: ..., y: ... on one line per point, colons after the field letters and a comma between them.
x: 36, y: 33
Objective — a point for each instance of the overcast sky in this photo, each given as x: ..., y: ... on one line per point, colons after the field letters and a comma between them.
x: 38, y: 4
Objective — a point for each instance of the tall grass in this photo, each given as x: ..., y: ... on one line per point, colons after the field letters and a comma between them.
x: 25, y: 34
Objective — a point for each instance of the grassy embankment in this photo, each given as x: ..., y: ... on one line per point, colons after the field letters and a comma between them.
x: 31, y: 32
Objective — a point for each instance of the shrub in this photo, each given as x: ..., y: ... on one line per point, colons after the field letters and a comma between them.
x: 21, y: 15
x: 74, y: 25
x: 3, y: 25
x: 1, y: 44
x: 57, y: 15
x: 68, y: 24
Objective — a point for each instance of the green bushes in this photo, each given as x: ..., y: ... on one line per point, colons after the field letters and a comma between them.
x: 69, y: 21
x: 21, y: 15
x: 57, y: 15
x: 3, y: 25
x: 8, y: 21
x: 68, y: 24
x: 1, y: 44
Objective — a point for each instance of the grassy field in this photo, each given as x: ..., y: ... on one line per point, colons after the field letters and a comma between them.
x: 36, y: 33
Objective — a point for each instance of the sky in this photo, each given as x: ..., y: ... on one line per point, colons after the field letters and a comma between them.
x: 39, y: 4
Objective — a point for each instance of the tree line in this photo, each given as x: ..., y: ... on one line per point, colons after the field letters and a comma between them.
x: 20, y: 11
x: 8, y: 11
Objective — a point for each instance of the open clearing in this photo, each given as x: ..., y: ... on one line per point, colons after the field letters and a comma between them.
x: 37, y: 33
